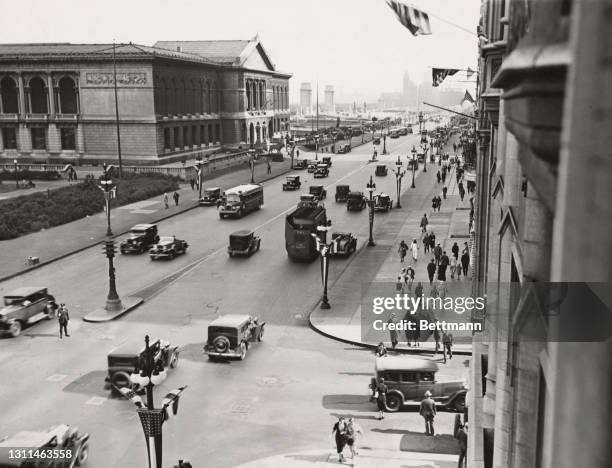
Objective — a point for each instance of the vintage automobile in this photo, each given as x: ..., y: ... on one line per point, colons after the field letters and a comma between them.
x: 124, y: 360
x: 292, y: 183
x: 318, y: 191
x: 312, y: 166
x: 210, y: 196
x: 24, y: 306
x: 327, y: 160
x: 243, y: 243
x: 376, y: 141
x: 394, y: 135
x: 355, y: 201
x: 382, y: 202
x: 168, y: 247
x: 321, y: 171
x: 230, y: 336
x: 140, y: 239
x: 342, y: 192
x: 381, y: 170
x: 343, y: 243
x: 70, y: 445
x: 344, y: 149
x: 408, y: 378
x: 301, y: 164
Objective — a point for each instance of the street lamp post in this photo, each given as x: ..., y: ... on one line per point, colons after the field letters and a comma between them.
x: 16, y: 175
x: 316, y: 148
x: 109, y: 192
x: 414, y: 152
x: 371, y: 186
x: 113, y: 303
x: 199, y: 165
x: 399, y: 174
x: 324, y: 249
x: 425, y: 157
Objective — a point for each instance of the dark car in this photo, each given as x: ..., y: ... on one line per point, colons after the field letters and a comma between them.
x: 243, y: 243
x: 342, y: 192
x: 376, y: 141
x: 292, y: 183
x: 381, y: 170
x: 230, y: 336
x: 355, y: 201
x: 141, y: 237
x: 24, y: 306
x: 312, y: 166
x: 327, y: 160
x: 382, y: 202
x: 343, y: 243
x: 168, y: 247
x: 322, y: 170
x: 301, y: 164
x: 318, y: 191
x: 344, y: 149
x: 210, y: 196
x: 70, y: 445
x: 124, y: 360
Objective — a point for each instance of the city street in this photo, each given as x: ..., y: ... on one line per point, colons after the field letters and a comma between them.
x: 287, y: 392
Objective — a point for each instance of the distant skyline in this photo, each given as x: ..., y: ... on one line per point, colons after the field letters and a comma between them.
x: 357, y: 46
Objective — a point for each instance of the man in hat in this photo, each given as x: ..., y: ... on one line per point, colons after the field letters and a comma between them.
x: 428, y: 412
x: 63, y: 318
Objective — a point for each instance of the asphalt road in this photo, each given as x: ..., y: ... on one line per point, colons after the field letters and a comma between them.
x: 281, y: 398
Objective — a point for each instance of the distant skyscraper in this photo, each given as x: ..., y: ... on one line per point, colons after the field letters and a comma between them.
x: 306, y: 98
x: 329, y: 99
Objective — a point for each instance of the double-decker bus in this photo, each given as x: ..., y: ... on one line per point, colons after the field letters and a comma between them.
x: 300, y: 224
x: 241, y: 200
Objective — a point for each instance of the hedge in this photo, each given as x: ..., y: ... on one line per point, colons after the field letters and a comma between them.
x: 29, y: 175
x: 41, y: 210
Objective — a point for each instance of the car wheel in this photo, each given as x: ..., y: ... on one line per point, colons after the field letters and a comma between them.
x: 120, y: 379
x: 83, y: 455
x: 394, y: 403
x: 174, y: 360
x: 221, y: 344
x: 243, y: 351
x: 15, y: 329
x: 260, y: 334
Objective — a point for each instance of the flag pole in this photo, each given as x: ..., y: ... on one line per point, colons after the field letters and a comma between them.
x: 450, y: 110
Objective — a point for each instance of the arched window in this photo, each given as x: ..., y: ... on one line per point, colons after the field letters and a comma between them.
x: 10, y: 99
x: 38, y: 96
x: 68, y: 96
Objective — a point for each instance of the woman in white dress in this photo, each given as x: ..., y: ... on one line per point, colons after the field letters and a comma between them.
x: 414, y: 248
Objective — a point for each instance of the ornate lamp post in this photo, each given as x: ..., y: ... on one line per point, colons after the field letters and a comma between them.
x: 199, y: 165
x: 420, y: 122
x: 371, y: 186
x: 113, y: 302
x: 316, y: 148
x: 16, y: 175
x: 106, y: 185
x: 324, y: 250
x: 384, y: 151
x: 414, y: 152
x: 425, y: 156
x: 399, y: 174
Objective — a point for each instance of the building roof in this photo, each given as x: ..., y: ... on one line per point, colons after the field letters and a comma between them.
x: 219, y: 51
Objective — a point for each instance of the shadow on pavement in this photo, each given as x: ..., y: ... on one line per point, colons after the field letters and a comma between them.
x: 91, y: 383
x: 349, y: 415
x: 348, y: 402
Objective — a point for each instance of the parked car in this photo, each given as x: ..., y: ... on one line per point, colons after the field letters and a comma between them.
x: 70, y: 445
x: 381, y: 170
x: 210, y: 196
x: 292, y: 183
x: 243, y: 243
x: 343, y: 243
x: 394, y: 135
x: 301, y: 164
x: 140, y: 239
x: 355, y: 201
x: 382, y: 202
x: 327, y: 160
x: 408, y: 378
x: 230, y: 336
x: 318, y: 191
x: 24, y: 306
x: 124, y: 360
x: 312, y: 166
x: 168, y: 247
x: 321, y: 171
x: 344, y: 149
x: 376, y: 141
x: 342, y: 192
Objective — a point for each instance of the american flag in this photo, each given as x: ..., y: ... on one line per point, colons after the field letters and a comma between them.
x: 467, y: 97
x: 416, y: 21
x: 438, y: 75
x: 131, y: 395
x: 171, y: 400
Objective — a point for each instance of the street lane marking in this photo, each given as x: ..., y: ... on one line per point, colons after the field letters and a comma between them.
x: 56, y: 377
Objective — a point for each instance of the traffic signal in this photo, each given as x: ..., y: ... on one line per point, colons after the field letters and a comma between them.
x: 109, y: 248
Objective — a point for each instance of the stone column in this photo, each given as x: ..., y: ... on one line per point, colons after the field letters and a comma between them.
x: 54, y: 143
x: 171, y: 144
x: 1, y: 137
x: 21, y: 92
x: 51, y: 90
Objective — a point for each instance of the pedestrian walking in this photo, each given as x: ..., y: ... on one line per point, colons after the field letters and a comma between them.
x: 414, y: 248
x: 424, y: 223
x: 462, y: 439
x: 455, y: 250
x: 444, y: 260
x: 176, y: 195
x: 433, y: 292
x: 63, y: 318
x: 192, y: 183
x: 432, y: 240
x: 165, y: 200
x: 453, y: 267
x: 438, y: 254
x: 393, y: 330
x: 381, y: 398
x: 269, y: 166
x: 418, y: 291
x: 426, y: 243
x: 465, y: 262
x: 410, y: 277
x: 353, y: 432
x: 339, y: 432
x: 436, y: 337
x: 447, y: 345
x: 461, y: 191
x: 428, y: 411
x: 454, y: 147
x: 399, y: 285
x: 438, y: 176
x: 431, y: 271
x: 442, y: 271
x: 444, y: 191
x: 403, y: 249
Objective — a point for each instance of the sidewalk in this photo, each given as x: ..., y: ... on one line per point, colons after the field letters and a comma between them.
x: 374, y: 270
x: 61, y: 241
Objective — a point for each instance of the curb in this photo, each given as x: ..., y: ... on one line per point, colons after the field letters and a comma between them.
x: 102, y: 315
x: 92, y: 244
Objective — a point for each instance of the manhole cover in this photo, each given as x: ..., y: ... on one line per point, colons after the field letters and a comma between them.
x: 56, y: 377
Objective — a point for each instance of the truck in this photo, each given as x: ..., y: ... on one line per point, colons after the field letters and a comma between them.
x: 300, y: 224
x: 241, y: 200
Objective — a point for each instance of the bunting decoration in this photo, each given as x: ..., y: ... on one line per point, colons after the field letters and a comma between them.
x: 416, y: 21
x: 438, y: 75
x: 131, y: 395
x: 467, y: 97
x: 171, y: 401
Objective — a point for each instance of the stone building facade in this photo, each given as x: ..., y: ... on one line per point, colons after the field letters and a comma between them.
x: 543, y: 182
x: 175, y: 100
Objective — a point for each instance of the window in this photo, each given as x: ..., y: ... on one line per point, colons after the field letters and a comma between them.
x: 427, y: 376
x: 194, y: 135
x: 202, y: 135
x: 39, y: 138
x: 167, y: 141
x: 392, y: 377
x: 68, y: 98
x: 68, y: 138
x: 8, y: 95
x: 409, y: 377
x: 38, y: 96
x: 9, y: 137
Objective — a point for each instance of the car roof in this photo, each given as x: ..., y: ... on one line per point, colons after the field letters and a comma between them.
x: 405, y: 363
x: 316, y: 186
x: 24, y: 291
x: 338, y: 186
x: 211, y: 188
x: 356, y: 193
x: 381, y: 165
x: 131, y: 348
x: 142, y: 227
x: 241, y: 233
x: 230, y: 320
x: 27, y: 439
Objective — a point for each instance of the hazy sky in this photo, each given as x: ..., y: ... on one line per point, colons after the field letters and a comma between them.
x: 358, y: 46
